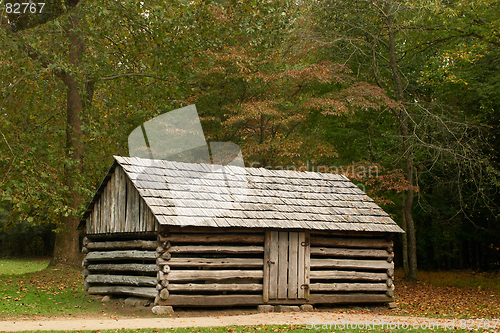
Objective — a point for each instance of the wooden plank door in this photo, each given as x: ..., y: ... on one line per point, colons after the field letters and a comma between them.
x: 286, y: 266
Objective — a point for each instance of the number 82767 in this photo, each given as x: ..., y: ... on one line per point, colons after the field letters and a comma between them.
x: 24, y: 7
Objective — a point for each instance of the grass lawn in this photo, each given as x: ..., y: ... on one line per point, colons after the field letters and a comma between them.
x: 267, y: 329
x: 22, y: 266
x: 28, y: 288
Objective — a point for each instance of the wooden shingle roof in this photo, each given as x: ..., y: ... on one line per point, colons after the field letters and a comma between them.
x: 182, y: 194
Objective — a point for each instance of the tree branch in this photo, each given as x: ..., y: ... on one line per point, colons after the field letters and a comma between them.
x: 117, y: 76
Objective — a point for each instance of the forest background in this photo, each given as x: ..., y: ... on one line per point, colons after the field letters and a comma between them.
x: 401, y: 96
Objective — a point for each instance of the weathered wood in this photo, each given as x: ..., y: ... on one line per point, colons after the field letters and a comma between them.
x: 351, y: 242
x: 121, y: 290
x: 348, y: 275
x: 215, y: 275
x: 212, y: 301
x: 307, y: 267
x: 122, y: 198
x: 212, y: 230
x: 159, y: 287
x: 129, y: 218
x: 301, y: 265
x: 390, y: 292
x: 216, y: 262
x: 113, y: 183
x: 361, y: 253
x: 211, y: 239
x: 85, y: 250
x: 316, y: 287
x: 265, y: 281
x: 350, y: 263
x: 390, y: 272
x: 123, y: 245
x: 164, y: 293
x: 349, y: 298
x: 282, y: 264
x: 85, y: 273
x: 123, y: 267
x: 293, y: 244
x: 389, y: 282
x: 162, y: 262
x: 161, y: 249
x: 86, y: 285
x: 216, y: 249
x: 162, y: 238
x: 273, y: 265
x: 160, y: 275
x: 122, y: 279
x: 164, y: 256
x: 120, y: 255
x: 85, y: 241
x: 165, y: 269
x: 215, y: 287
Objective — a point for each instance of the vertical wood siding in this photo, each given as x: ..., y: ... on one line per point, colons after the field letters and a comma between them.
x: 120, y: 209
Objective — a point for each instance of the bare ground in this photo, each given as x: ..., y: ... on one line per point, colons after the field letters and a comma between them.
x: 214, y: 318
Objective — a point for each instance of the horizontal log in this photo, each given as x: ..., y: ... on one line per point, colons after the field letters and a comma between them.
x: 361, y: 253
x: 162, y: 262
x: 215, y: 287
x: 349, y: 263
x: 315, y: 287
x: 216, y: 249
x: 348, y: 275
x: 372, y: 243
x: 212, y: 301
x: 165, y: 256
x: 123, y: 267
x: 208, y: 238
x: 122, y: 279
x: 120, y: 255
x: 217, y: 262
x: 349, y: 298
x: 213, y: 275
x: 164, y: 293
x: 120, y: 290
x: 124, y: 245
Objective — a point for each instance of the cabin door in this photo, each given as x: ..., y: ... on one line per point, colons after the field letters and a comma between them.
x: 286, y: 266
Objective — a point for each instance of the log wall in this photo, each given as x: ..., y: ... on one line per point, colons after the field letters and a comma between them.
x: 114, y: 266
x: 210, y: 267
x: 351, y: 269
x: 120, y: 209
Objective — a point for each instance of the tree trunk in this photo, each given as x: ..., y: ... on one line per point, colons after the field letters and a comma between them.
x: 66, y: 247
x: 408, y: 156
x: 404, y: 237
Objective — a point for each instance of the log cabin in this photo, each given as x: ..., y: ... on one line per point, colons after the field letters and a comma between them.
x: 199, y: 235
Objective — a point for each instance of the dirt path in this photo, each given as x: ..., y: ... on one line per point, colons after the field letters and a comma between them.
x: 310, y: 319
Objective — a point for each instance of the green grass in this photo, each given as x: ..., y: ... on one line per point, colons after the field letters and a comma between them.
x: 44, y: 292
x: 262, y: 329
x: 462, y: 279
x: 22, y: 266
